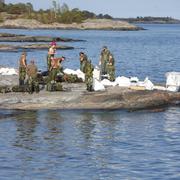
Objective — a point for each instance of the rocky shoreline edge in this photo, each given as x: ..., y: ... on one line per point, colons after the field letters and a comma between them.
x: 89, y: 24
x: 75, y: 97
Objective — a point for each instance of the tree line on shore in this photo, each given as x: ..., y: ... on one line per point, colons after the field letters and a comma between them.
x: 57, y: 13
x: 149, y: 19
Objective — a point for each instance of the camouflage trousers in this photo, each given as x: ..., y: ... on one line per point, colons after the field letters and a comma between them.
x: 103, y: 68
x: 33, y: 85
x: 89, y: 82
x: 22, y: 75
x: 111, y: 72
x: 49, y: 61
x: 54, y: 86
x: 53, y: 74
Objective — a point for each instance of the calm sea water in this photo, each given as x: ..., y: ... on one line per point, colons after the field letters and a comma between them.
x: 97, y: 145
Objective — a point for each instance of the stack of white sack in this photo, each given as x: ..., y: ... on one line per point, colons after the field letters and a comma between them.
x: 107, y: 82
x: 147, y: 84
x: 97, y: 85
x: 173, y: 81
x: 97, y: 73
x: 78, y: 72
x: 8, y: 71
x: 123, y: 81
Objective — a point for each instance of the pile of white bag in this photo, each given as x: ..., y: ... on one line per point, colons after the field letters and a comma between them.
x: 8, y: 71
x: 78, y: 72
x: 173, y: 81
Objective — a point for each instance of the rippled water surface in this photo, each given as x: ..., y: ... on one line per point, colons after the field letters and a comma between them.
x: 149, y: 53
x: 97, y: 145
x: 90, y: 145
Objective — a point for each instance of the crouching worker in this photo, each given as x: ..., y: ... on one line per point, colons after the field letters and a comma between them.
x: 33, y: 84
x: 55, y: 69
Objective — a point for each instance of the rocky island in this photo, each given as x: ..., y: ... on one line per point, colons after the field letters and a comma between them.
x: 75, y: 96
x: 89, y: 24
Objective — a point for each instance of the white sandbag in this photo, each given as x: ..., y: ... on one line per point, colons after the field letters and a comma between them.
x: 148, y: 84
x: 162, y: 88
x: 8, y: 71
x: 173, y: 88
x: 96, y: 73
x: 97, y: 85
x: 123, y: 81
x: 80, y: 74
x: 134, y: 79
x: 107, y: 82
x: 69, y: 71
x: 173, y: 79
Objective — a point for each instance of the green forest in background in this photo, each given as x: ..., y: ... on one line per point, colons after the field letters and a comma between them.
x: 57, y: 13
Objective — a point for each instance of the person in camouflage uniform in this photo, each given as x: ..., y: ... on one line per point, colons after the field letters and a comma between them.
x: 87, y: 68
x: 33, y: 84
x: 104, y: 58
x: 54, y: 70
x: 51, y: 53
x: 111, y: 68
x: 83, y: 60
x: 22, y: 69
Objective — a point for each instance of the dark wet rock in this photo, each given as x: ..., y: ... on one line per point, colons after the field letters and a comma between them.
x: 6, y: 37
x: 31, y: 47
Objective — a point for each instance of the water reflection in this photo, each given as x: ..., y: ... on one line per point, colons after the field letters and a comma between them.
x: 172, y: 123
x: 86, y: 125
x: 90, y: 145
x: 26, y: 126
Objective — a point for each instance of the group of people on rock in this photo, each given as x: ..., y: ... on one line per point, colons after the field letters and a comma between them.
x: 31, y: 71
x: 54, y: 68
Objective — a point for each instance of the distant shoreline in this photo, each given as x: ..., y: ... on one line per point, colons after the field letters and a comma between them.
x: 90, y: 24
x: 150, y: 20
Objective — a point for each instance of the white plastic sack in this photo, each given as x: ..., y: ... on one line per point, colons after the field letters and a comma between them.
x: 78, y: 72
x: 134, y: 80
x: 98, y: 86
x: 69, y: 71
x: 173, y: 88
x: 123, y: 81
x: 106, y: 82
x: 173, y: 79
x: 8, y: 71
x: 96, y: 73
x: 147, y: 84
x: 160, y: 88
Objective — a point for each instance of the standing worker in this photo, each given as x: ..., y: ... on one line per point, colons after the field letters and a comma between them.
x: 111, y: 68
x: 33, y: 84
x: 104, y: 58
x: 51, y: 53
x: 87, y: 68
x: 83, y: 60
x: 22, y: 69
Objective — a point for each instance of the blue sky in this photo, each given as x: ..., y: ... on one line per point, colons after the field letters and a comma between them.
x: 117, y: 8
